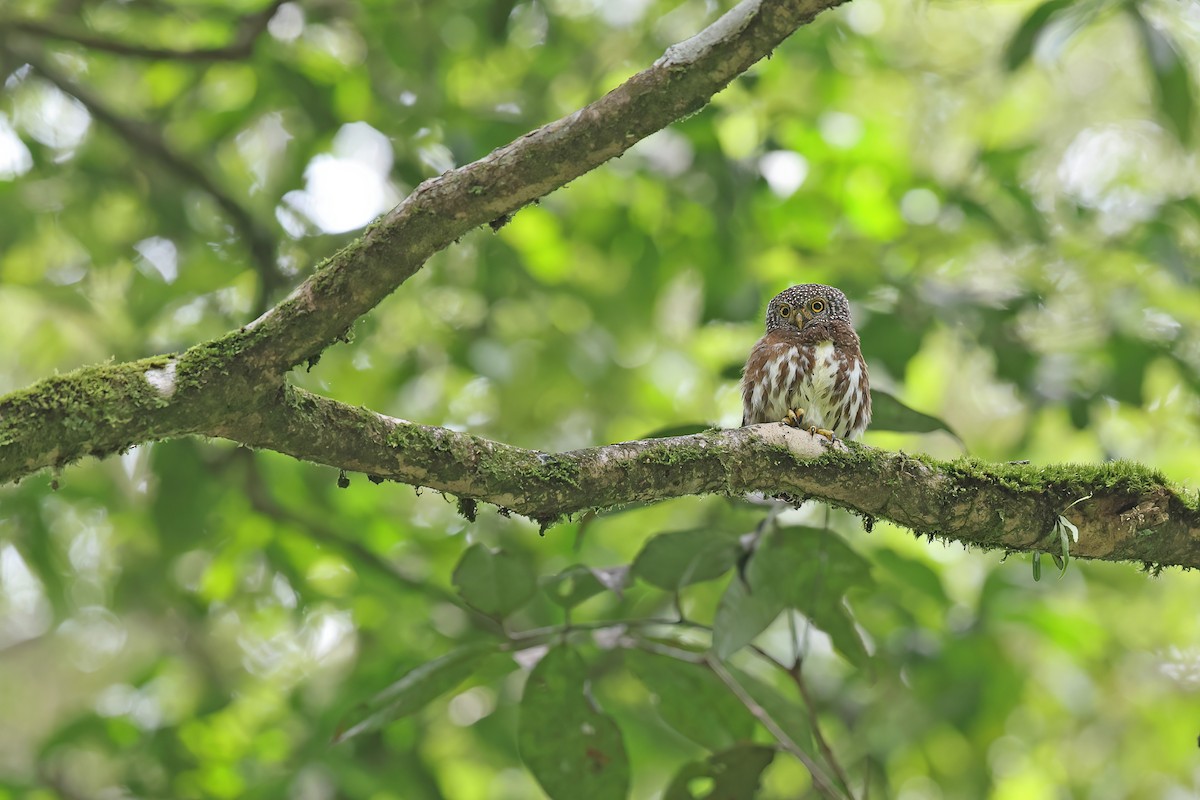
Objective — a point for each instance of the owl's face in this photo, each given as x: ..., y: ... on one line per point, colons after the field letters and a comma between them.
x: 805, y: 305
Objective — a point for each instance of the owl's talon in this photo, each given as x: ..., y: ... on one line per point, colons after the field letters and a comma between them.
x: 794, y: 417
x: 828, y: 434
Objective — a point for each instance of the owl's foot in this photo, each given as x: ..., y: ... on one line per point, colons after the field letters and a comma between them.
x: 828, y: 434
x: 794, y: 417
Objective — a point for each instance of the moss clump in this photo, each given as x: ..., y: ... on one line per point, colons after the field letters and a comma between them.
x: 673, y: 452
x: 510, y: 468
x: 1068, y: 481
x: 97, y: 410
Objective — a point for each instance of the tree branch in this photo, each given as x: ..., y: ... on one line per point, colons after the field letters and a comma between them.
x: 1133, y: 514
x: 249, y: 28
x: 441, y: 210
x: 234, y: 386
x: 143, y: 139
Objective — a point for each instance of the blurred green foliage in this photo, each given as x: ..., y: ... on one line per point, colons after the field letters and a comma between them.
x: 1007, y: 193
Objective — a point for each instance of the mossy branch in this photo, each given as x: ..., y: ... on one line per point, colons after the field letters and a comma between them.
x: 235, y: 387
x: 1132, y: 513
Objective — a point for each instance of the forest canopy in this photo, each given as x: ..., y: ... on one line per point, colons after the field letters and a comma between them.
x: 1005, y: 191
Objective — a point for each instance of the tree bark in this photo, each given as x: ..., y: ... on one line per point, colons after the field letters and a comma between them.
x: 235, y: 386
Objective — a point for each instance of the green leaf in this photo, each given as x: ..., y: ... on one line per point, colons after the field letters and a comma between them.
x: 834, y: 618
x: 575, y: 752
x: 802, y: 568
x: 494, y: 581
x: 680, y: 558
x: 1064, y: 538
x: 732, y: 371
x: 418, y: 687
x: 1020, y: 46
x: 1172, y: 81
x: 731, y: 773
x: 916, y: 574
x: 743, y: 614
x: 692, y: 700
x: 889, y: 414
x: 577, y: 583
x: 808, y: 562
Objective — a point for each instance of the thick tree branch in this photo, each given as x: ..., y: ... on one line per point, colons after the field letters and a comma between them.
x: 1132, y: 514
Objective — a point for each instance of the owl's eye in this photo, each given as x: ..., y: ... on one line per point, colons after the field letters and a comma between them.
x: 816, y: 306
x: 785, y: 310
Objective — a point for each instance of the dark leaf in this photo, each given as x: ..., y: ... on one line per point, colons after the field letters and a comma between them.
x: 811, y: 570
x: 1129, y: 358
x: 419, y: 687
x: 692, y: 700
x: 575, y: 752
x: 1079, y: 411
x: 743, y: 614
x: 686, y: 429
x: 1021, y: 45
x: 494, y: 581
x: 834, y: 618
x: 575, y: 584
x: 733, y: 773
x: 889, y: 414
x: 1172, y: 81
x: 916, y: 574
x: 673, y: 560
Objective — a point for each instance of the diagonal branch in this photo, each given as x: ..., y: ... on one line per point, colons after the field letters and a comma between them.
x: 441, y: 210
x: 249, y: 28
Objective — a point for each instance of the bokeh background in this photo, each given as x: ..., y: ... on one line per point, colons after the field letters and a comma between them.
x: 1006, y: 191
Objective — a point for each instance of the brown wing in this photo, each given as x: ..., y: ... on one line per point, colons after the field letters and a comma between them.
x: 775, y: 365
x: 852, y: 388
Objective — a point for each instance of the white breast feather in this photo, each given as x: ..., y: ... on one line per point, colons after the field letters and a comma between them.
x: 814, y: 394
x: 852, y: 382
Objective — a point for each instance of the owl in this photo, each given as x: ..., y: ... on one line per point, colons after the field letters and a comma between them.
x: 808, y: 370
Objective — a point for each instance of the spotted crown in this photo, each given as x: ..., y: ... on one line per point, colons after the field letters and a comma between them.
x: 794, y: 307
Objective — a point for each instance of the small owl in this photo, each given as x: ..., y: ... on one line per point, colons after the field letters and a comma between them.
x: 808, y: 370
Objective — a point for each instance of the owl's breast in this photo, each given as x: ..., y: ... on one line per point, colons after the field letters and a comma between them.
x: 816, y: 388
x: 819, y: 381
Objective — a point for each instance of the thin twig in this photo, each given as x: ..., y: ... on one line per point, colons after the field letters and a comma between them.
x: 814, y: 723
x: 592, y: 625
x: 795, y: 672
x: 821, y: 781
x: 249, y: 29
x: 146, y: 140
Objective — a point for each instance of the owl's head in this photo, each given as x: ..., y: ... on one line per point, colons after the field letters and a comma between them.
x: 806, y: 304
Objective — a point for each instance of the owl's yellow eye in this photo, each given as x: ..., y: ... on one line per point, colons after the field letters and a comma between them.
x: 785, y: 310
x: 816, y: 306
